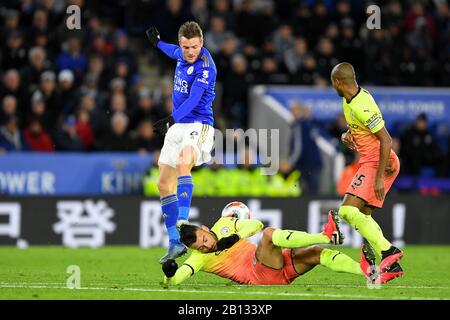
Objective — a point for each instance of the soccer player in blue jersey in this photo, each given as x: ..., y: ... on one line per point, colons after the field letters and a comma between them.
x: 188, y: 131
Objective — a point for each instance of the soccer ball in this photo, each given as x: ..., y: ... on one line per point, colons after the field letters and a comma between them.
x: 236, y: 209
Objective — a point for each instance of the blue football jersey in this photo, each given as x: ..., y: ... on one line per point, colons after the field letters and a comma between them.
x: 201, y: 73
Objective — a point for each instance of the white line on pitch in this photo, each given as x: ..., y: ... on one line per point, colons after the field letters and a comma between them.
x: 225, y: 292
x: 232, y: 285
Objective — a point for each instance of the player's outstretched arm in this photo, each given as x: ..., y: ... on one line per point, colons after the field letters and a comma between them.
x: 248, y: 227
x: 175, y: 275
x: 179, y: 275
x: 170, y: 50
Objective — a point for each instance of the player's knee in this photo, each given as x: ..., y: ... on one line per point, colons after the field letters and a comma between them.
x: 164, y: 186
x: 183, y: 168
x: 312, y: 256
x: 185, y: 162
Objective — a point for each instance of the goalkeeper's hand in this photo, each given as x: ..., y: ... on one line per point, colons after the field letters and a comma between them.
x: 227, y: 242
x: 153, y: 36
x: 169, y: 268
x: 163, y: 125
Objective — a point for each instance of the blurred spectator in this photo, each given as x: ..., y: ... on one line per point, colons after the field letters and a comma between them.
x: 326, y: 57
x: 31, y: 74
x: 145, y: 139
x: 200, y: 12
x: 293, y: 58
x: 121, y: 71
x: 11, y: 139
x: 72, y: 58
x: 118, y: 103
x: 14, y: 54
x: 418, y: 148
x: 117, y: 138
x: 215, y: 37
x: 41, y: 39
x: 69, y: 95
x: 97, y: 68
x: 343, y: 11
x: 223, y: 57
x: 38, y: 109
x: 122, y: 52
x: 10, y: 23
x: 52, y: 99
x: 101, y: 46
x: 271, y: 73
x: 66, y: 137
x: 9, y: 108
x: 84, y: 129
x: 308, y: 73
x: 37, y: 138
x: 98, y: 118
x: 318, y: 24
x: 350, y: 46
x: 171, y: 17
x: 90, y: 87
x: 418, y: 15
x: 145, y: 110
x: 305, y: 155
x: 12, y: 85
x: 40, y: 24
x: 235, y: 99
x: 222, y: 8
x: 247, y: 22
x: 283, y: 40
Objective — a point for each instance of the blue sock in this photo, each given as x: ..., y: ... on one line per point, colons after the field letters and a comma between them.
x: 184, y: 192
x: 169, y: 206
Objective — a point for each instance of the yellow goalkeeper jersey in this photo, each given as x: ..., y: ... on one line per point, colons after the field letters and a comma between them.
x: 226, y: 263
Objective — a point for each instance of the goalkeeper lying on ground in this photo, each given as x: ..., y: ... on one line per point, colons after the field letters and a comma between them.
x: 225, y: 251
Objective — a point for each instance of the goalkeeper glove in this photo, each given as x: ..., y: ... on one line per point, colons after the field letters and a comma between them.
x: 227, y: 242
x: 163, y: 125
x: 153, y: 36
x: 169, y: 268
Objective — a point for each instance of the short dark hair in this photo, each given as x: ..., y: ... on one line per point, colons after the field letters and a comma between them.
x: 188, y: 234
x: 190, y: 30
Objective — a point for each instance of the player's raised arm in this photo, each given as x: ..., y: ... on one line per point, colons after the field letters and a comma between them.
x: 171, y: 50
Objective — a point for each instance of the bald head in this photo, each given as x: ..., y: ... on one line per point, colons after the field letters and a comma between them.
x: 343, y: 72
x: 343, y: 79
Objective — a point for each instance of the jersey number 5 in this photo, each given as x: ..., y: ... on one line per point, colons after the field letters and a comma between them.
x: 358, y: 180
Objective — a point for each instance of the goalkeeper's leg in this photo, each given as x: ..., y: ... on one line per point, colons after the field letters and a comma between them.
x: 305, y: 259
x: 299, y: 239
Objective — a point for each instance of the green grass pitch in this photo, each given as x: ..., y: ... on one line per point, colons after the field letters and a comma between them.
x: 119, y: 272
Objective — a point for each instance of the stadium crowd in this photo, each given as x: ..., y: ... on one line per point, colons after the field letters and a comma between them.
x: 84, y: 90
